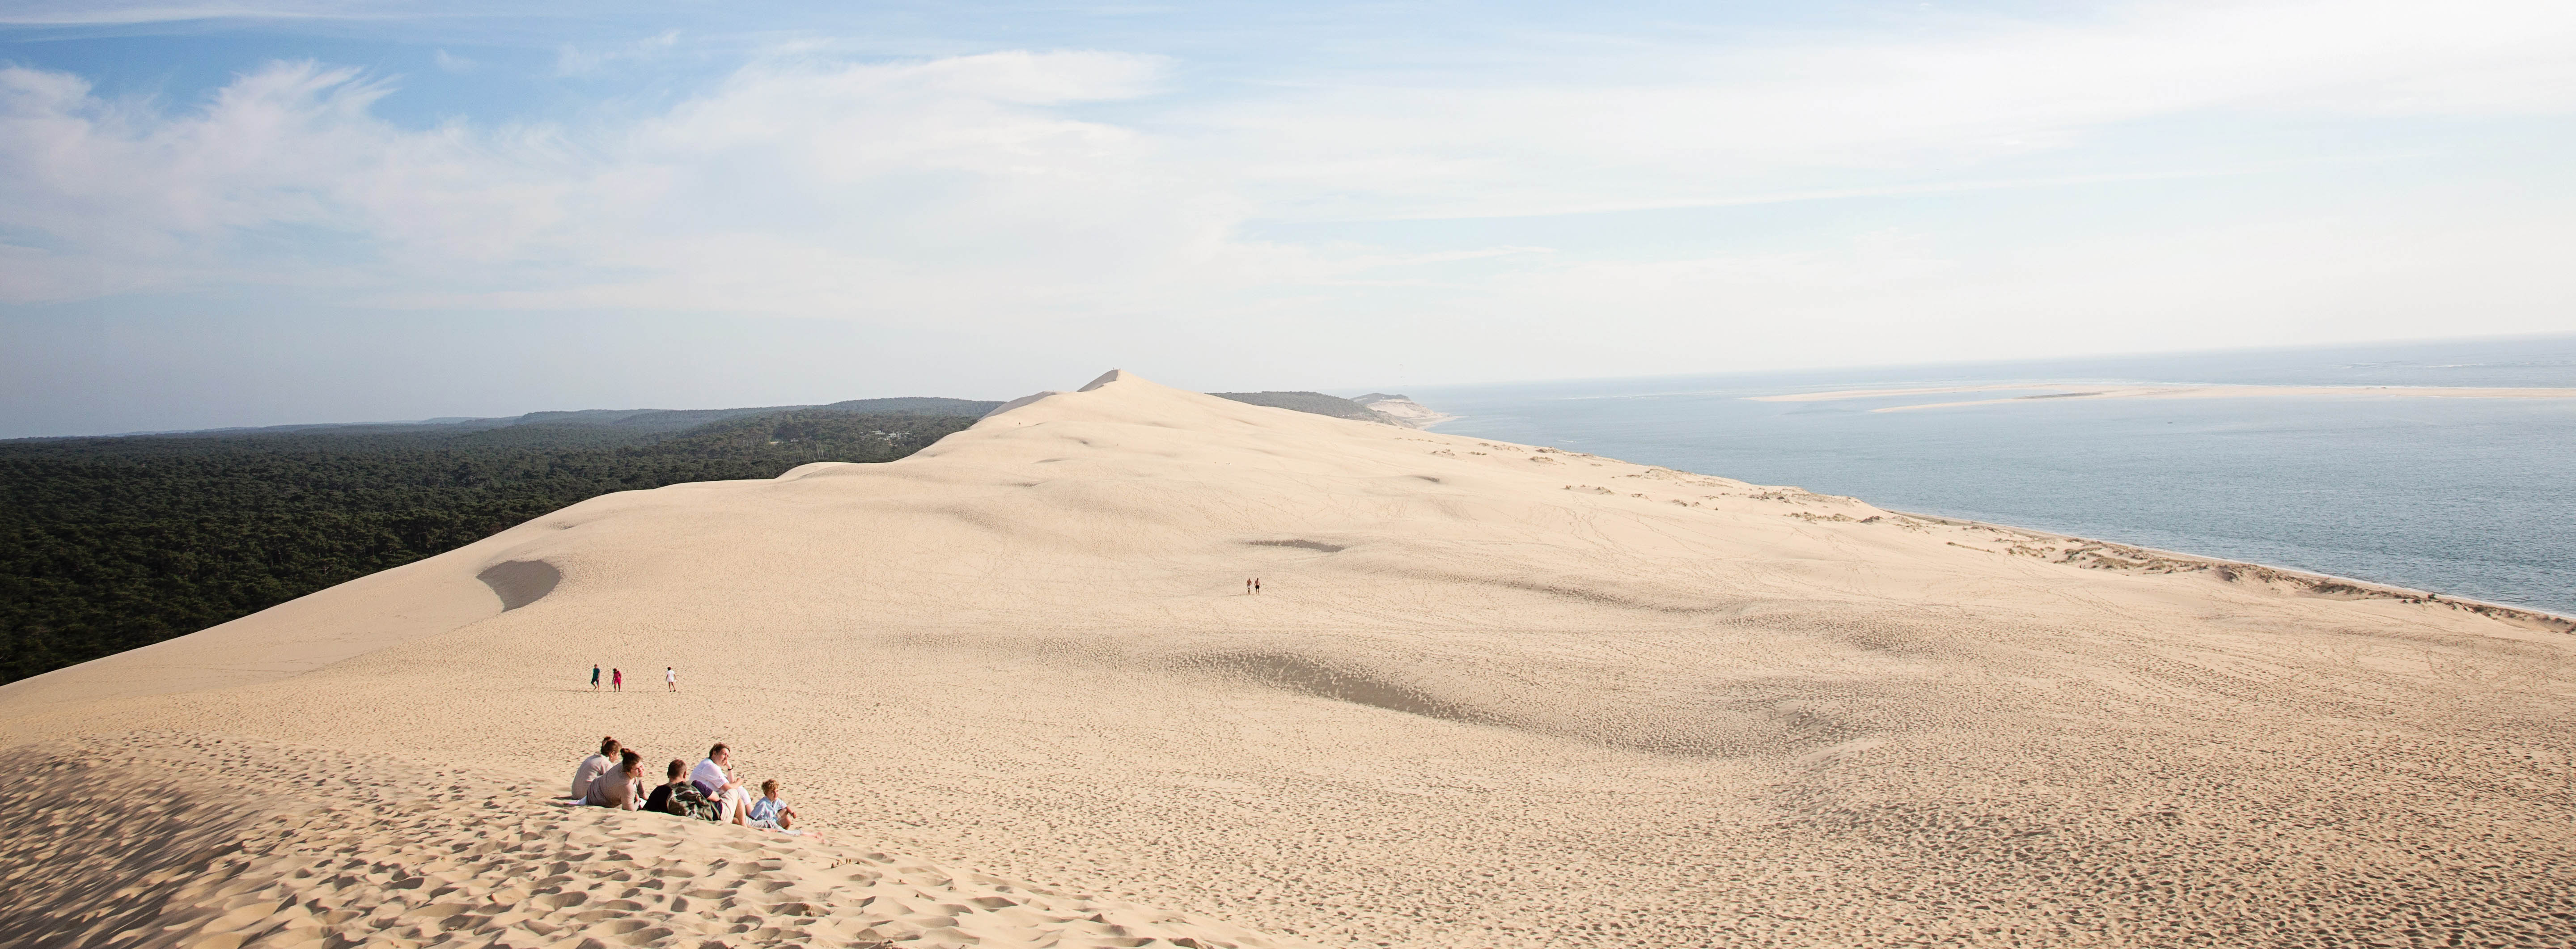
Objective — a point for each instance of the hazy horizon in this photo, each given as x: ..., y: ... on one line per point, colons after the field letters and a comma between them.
x: 2562, y: 354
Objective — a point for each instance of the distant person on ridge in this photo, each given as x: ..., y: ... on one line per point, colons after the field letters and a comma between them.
x: 594, y: 677
x: 671, y: 678
x: 592, y: 767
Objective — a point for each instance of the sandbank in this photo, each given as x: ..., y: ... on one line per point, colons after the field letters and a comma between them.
x: 2080, y: 391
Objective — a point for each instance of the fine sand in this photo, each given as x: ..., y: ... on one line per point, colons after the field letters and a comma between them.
x: 409, y: 857
x: 2078, y: 391
x: 1491, y: 695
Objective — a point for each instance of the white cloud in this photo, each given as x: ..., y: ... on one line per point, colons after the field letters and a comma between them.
x: 1791, y: 115
x: 1891, y: 296
x: 111, y: 196
x: 990, y: 192
x: 804, y: 189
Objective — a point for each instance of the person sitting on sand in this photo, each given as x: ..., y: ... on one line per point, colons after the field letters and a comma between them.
x: 592, y: 767
x: 661, y: 797
x: 622, y: 788
x: 719, y: 785
x: 770, y: 813
x: 687, y: 802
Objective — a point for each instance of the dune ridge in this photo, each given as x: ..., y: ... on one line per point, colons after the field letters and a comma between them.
x: 1491, y: 695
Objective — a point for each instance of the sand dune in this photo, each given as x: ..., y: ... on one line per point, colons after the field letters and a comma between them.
x: 1404, y: 410
x: 1492, y: 695
x: 2076, y: 391
x: 362, y: 854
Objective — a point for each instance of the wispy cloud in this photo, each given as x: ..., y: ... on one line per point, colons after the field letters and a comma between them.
x: 840, y: 190
x: 573, y: 60
x: 1813, y: 114
x: 132, y: 12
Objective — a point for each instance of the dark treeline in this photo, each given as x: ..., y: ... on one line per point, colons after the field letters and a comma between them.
x: 111, y: 543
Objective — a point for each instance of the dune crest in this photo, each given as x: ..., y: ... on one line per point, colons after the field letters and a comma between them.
x: 1489, y: 695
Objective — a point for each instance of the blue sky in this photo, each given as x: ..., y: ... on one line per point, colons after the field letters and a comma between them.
x: 257, y: 213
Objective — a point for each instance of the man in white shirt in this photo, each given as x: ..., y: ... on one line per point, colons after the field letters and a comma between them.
x: 671, y: 678
x: 717, y: 782
x: 592, y: 767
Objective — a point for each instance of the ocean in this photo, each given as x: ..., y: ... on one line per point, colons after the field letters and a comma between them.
x: 2467, y: 497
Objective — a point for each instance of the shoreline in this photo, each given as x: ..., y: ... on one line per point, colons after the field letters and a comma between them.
x: 2329, y: 584
x: 2322, y: 584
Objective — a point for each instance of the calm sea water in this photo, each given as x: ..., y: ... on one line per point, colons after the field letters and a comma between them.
x: 2472, y: 497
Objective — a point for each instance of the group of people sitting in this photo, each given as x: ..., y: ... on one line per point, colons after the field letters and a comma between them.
x: 615, y: 778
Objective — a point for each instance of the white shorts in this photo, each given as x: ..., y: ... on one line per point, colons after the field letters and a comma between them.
x: 732, y: 802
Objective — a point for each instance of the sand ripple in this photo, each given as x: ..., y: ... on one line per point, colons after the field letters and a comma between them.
x: 154, y: 840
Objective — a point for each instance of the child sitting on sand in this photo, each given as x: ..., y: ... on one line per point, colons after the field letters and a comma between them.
x: 770, y: 813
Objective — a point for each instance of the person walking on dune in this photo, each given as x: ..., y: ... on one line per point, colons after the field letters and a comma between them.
x: 670, y: 678
x: 617, y: 680
x: 594, y: 677
x: 1247, y: 586
x: 1256, y: 586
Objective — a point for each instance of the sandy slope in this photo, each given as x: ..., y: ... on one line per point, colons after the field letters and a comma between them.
x: 1493, y: 696
x: 365, y: 854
